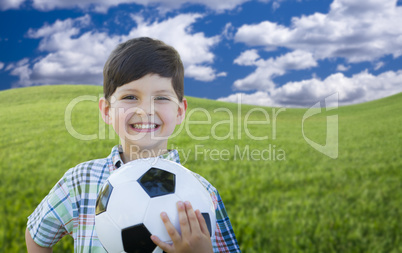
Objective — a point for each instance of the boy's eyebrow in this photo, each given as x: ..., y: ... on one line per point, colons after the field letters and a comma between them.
x: 157, y: 91
x: 128, y: 89
x: 164, y: 91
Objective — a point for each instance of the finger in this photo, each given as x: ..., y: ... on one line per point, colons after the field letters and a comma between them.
x: 183, y: 219
x: 171, y: 230
x: 203, y: 224
x: 163, y: 245
x: 192, y: 218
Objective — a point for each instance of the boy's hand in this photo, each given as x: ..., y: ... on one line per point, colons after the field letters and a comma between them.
x: 194, y: 232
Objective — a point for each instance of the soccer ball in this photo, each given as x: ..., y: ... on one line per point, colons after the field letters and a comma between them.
x: 129, y: 204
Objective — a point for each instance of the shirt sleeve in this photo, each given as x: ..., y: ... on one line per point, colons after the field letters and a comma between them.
x: 52, y: 218
x: 224, y: 239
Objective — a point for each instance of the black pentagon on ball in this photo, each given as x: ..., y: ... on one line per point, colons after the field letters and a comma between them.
x: 157, y: 182
x: 103, y: 198
x: 137, y: 239
x: 208, y: 221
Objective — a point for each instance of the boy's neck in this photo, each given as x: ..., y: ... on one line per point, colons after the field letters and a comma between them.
x: 130, y: 153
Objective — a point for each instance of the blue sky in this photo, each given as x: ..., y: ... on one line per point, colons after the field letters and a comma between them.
x: 287, y: 53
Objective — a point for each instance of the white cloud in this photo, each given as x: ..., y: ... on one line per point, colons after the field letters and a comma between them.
x: 359, y: 88
x: 194, y: 48
x: 22, y: 70
x: 228, y: 31
x: 247, y: 58
x: 76, y: 57
x: 1, y: 65
x: 261, y: 78
x: 379, y: 65
x: 342, y: 68
x: 70, y: 25
x: 297, y: 60
x: 10, y: 4
x: 258, y: 98
x: 218, y: 6
x: 104, y: 5
x: 275, y: 5
x: 201, y: 73
x: 353, y: 29
x: 267, y: 34
x: 71, y: 57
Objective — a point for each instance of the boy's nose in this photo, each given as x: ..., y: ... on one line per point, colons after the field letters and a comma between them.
x: 145, y: 108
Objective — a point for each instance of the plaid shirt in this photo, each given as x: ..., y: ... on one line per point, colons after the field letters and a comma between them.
x: 69, y: 208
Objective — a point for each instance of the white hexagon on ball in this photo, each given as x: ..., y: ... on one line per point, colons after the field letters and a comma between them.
x: 130, y: 202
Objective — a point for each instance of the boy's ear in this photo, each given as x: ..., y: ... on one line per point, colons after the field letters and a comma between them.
x: 104, y: 107
x: 181, y: 112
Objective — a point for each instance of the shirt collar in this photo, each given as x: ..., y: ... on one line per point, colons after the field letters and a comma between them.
x: 116, y: 158
x: 171, y: 155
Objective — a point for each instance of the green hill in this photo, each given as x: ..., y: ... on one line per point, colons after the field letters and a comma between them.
x: 281, y: 194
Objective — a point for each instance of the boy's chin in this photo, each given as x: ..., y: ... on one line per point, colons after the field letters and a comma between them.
x: 146, y: 145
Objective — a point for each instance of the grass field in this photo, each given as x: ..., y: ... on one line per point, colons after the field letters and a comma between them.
x: 281, y: 194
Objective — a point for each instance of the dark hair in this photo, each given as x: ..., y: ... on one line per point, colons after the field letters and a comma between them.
x: 138, y: 57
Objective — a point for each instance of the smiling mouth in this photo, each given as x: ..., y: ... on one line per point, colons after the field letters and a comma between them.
x: 144, y: 126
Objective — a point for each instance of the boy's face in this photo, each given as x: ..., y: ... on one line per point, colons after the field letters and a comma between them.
x: 144, y: 113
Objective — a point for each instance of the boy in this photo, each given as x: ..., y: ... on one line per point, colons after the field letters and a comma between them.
x: 143, y: 100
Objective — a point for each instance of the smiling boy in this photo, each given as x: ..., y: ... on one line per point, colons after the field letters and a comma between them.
x: 144, y: 113
x: 143, y: 100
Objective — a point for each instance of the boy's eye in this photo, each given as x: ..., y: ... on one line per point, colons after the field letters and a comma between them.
x: 162, y: 98
x: 130, y: 97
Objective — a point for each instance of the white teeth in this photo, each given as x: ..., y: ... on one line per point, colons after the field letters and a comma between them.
x: 145, y: 126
